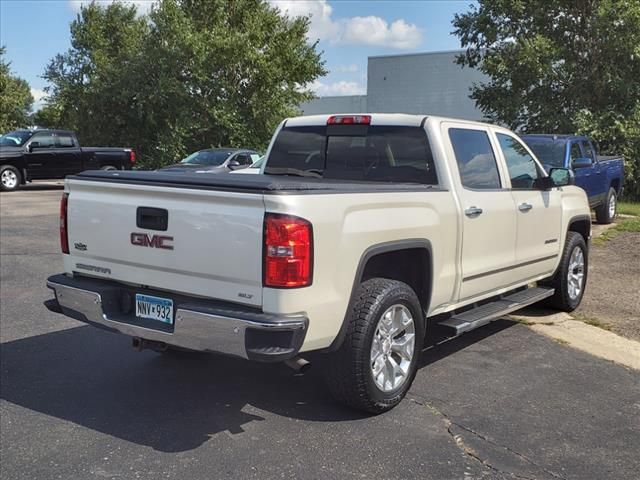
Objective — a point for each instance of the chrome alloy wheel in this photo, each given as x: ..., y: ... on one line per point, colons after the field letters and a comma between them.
x: 575, y: 275
x: 9, y: 179
x: 392, y: 348
x: 612, y: 206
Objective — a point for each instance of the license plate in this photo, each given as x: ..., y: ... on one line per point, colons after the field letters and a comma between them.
x: 155, y: 308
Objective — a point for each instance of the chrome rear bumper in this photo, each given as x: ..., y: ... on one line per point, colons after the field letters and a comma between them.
x: 198, y: 324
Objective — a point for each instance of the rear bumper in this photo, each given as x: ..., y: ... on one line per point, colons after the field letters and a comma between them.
x: 198, y: 325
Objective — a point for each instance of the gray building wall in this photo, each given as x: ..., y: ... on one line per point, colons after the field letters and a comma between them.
x: 422, y: 83
x: 338, y: 104
x: 429, y: 83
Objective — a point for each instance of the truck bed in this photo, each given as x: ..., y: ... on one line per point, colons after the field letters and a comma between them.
x: 265, y: 184
x: 608, y: 158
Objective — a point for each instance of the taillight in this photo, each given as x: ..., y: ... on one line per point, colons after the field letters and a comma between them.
x: 349, y: 120
x: 64, y: 235
x: 132, y: 156
x: 288, y: 251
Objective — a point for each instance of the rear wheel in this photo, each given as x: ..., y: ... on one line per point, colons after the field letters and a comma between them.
x: 606, y: 212
x: 378, y: 359
x: 570, y: 278
x: 109, y: 167
x: 10, y: 178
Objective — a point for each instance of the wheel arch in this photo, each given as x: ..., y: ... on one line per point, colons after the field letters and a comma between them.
x: 376, y: 261
x: 616, y: 183
x: 582, y: 225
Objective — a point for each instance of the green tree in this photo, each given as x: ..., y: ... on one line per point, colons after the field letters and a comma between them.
x: 92, y: 89
x: 190, y: 75
x: 49, y: 116
x: 560, y: 67
x: 15, y: 98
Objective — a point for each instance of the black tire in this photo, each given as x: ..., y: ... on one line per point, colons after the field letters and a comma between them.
x: 6, y: 186
x: 348, y: 370
x: 561, y: 299
x: 109, y: 168
x: 603, y: 212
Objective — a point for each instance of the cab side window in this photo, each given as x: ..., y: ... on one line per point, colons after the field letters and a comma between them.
x: 522, y: 168
x: 574, y: 152
x: 43, y: 140
x: 475, y: 158
x: 588, y: 151
x: 243, y: 159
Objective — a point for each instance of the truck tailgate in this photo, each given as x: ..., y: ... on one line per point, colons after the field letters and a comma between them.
x: 216, y: 238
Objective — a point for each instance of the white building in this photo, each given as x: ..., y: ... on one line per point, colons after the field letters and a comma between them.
x: 429, y: 83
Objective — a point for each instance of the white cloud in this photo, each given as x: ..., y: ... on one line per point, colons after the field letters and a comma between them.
x: 377, y: 31
x: 370, y: 30
x: 322, y: 25
x: 323, y: 89
x: 39, y: 98
x: 143, y: 6
x: 353, y: 68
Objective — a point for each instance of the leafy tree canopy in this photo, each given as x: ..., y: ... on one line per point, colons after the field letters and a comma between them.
x: 190, y: 75
x: 560, y: 67
x: 15, y: 98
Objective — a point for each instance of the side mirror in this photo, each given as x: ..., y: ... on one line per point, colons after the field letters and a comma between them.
x: 582, y: 162
x: 561, y: 177
x: 558, y: 177
x: 33, y: 145
x: 233, y: 164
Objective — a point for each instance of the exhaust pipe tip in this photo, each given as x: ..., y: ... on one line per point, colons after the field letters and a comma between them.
x: 137, y: 344
x: 140, y: 344
x: 298, y: 365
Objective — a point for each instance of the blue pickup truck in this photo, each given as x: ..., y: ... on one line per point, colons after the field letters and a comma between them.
x: 600, y: 176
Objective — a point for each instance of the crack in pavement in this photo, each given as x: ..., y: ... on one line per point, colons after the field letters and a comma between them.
x: 467, y: 450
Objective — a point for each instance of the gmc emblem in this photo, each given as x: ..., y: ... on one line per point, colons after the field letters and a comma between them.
x: 153, y: 241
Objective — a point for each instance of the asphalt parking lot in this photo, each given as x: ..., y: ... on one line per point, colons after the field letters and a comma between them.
x: 78, y: 403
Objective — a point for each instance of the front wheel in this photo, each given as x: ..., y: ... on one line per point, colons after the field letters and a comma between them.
x: 570, y: 278
x: 606, y: 212
x: 10, y: 178
x: 378, y: 359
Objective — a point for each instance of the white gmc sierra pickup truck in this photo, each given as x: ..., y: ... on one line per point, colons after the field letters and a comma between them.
x: 361, y: 230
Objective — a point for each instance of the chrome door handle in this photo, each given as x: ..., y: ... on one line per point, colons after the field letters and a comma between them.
x: 525, y: 207
x: 473, y: 211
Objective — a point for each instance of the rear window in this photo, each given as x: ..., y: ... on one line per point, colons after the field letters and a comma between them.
x: 354, y: 153
x: 549, y: 151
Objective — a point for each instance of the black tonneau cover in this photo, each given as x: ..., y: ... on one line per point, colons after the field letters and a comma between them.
x: 258, y: 183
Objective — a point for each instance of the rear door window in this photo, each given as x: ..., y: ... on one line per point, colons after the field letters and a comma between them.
x: 355, y: 153
x: 64, y: 140
x: 475, y: 158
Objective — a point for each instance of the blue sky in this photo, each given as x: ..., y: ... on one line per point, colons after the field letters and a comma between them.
x: 33, y: 31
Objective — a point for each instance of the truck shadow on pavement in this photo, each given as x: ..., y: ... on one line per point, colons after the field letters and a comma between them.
x: 170, y: 402
x: 36, y: 187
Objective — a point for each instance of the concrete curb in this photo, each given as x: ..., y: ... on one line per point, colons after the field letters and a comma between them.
x: 596, y: 341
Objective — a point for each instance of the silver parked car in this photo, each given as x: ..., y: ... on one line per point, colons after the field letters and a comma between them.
x: 215, y: 160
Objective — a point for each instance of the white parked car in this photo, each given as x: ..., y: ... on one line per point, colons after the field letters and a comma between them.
x: 363, y: 230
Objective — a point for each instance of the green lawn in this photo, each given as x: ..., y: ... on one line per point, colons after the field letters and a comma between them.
x: 626, y: 225
x: 629, y: 208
